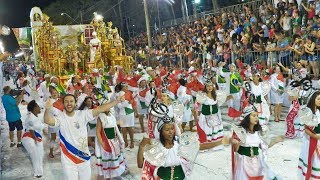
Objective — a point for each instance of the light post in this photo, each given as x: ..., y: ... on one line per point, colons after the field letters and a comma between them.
x: 66, y: 14
x: 195, y: 6
x: 146, y: 14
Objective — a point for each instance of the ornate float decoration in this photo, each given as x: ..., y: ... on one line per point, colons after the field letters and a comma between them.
x: 76, y: 49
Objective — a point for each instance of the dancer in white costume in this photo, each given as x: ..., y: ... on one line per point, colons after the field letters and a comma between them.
x: 250, y: 148
x: 127, y: 113
x: 73, y: 135
x: 173, y: 163
x: 44, y: 88
x: 109, y: 147
x: 185, y: 97
x: 277, y: 89
x: 234, y: 82
x: 141, y: 101
x: 88, y: 104
x: 210, y: 127
x: 32, y: 138
x: 260, y: 96
x: 54, y: 99
x: 309, y: 160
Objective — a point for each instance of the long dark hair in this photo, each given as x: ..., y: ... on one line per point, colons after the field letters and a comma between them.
x: 245, y: 123
x: 213, y: 92
x: 311, y: 104
x: 83, y: 105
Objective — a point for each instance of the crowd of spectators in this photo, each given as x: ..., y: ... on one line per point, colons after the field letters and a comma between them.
x: 269, y: 34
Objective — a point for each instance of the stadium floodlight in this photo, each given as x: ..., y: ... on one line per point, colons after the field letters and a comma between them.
x: 19, y: 54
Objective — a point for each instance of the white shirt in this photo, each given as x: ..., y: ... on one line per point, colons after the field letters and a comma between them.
x: 34, y: 123
x: 74, y: 129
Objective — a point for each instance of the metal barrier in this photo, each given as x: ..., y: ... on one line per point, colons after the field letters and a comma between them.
x: 254, y: 5
x: 269, y: 58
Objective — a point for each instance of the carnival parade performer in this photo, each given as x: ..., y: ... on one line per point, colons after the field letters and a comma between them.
x: 109, y: 147
x: 185, y: 97
x: 234, y: 82
x: 88, y: 104
x: 260, y: 95
x: 32, y: 138
x: 127, y: 113
x: 250, y: 146
x: 171, y: 165
x: 55, y: 110
x: 277, y: 89
x: 73, y: 135
x: 309, y: 160
x: 74, y: 85
x: 141, y: 99
x: 297, y: 95
x: 43, y: 89
x: 210, y: 127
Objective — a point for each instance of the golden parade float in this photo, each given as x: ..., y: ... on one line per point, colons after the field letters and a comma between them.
x: 74, y: 49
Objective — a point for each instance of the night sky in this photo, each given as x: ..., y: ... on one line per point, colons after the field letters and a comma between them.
x: 15, y: 13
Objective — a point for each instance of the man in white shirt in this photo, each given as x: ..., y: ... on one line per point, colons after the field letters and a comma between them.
x: 75, y: 156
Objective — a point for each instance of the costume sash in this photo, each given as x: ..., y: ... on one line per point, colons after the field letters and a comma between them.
x: 106, y: 146
x: 147, y: 171
x: 150, y: 128
x: 74, y: 154
x: 290, y: 119
x: 29, y: 134
x: 202, y: 135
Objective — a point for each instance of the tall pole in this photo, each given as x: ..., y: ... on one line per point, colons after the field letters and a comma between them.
x: 215, y: 5
x: 174, y: 15
x: 81, y: 17
x: 159, y: 26
x: 121, y: 17
x: 146, y: 14
x: 186, y: 9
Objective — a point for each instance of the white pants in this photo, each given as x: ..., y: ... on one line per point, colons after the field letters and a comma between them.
x: 35, y: 150
x: 75, y: 171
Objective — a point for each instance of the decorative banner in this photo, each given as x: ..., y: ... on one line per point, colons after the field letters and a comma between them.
x: 23, y: 36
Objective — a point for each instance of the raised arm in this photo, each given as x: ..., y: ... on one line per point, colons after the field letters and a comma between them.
x: 106, y: 107
x: 48, y: 119
x: 140, y: 158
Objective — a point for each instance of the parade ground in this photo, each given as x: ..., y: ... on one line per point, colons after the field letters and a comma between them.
x: 282, y: 157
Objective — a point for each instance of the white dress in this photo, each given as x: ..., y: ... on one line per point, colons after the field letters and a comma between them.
x: 261, y: 102
x: 276, y: 98
x: 110, y: 158
x: 126, y: 114
x: 187, y: 101
x: 141, y: 102
x: 34, y: 147
x: 255, y: 166
x: 210, y: 122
